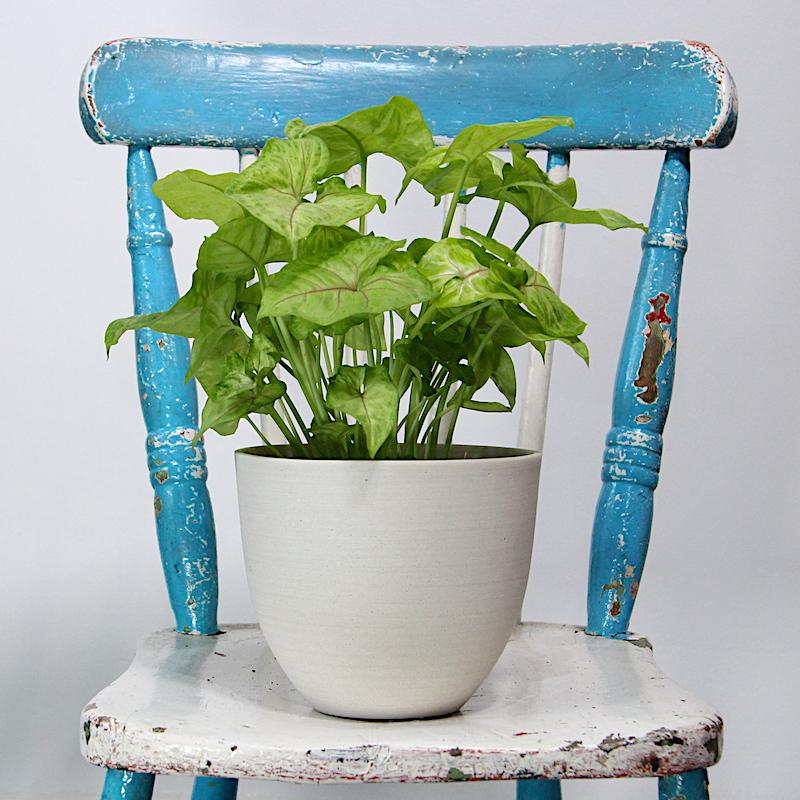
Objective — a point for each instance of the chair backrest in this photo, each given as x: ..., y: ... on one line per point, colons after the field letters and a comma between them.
x: 673, y: 96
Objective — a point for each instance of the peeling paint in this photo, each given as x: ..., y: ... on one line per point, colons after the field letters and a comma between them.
x: 657, y: 343
x: 226, y: 107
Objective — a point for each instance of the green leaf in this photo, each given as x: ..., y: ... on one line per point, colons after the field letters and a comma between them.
x: 182, y: 319
x: 555, y: 317
x: 236, y: 395
x: 239, y: 246
x: 494, y: 247
x: 396, y: 129
x: 526, y: 186
x: 455, y: 272
x: 210, y: 349
x: 504, y: 376
x: 275, y: 187
x: 369, y: 396
x: 262, y: 356
x: 476, y: 140
x: 347, y: 283
x: 485, y: 405
x: 192, y: 194
x: 323, y: 240
x: 332, y: 439
x: 440, y: 178
x: 356, y: 335
x: 419, y: 247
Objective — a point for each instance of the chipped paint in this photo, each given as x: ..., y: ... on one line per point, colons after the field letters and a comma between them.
x: 657, y: 343
x: 128, y: 92
x: 632, y: 457
x: 184, y: 521
x: 248, y: 725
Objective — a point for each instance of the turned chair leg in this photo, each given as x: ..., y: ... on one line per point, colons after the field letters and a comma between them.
x: 538, y: 790
x: 123, y: 785
x: 686, y: 786
x: 215, y: 789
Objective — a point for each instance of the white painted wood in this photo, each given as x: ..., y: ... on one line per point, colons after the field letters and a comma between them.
x: 385, y: 609
x: 558, y: 704
x: 268, y: 425
x: 537, y: 383
x: 459, y: 221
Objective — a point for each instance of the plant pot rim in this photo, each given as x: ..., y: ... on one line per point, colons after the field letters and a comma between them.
x: 459, y: 454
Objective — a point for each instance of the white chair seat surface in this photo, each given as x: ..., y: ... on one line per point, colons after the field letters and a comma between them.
x: 559, y: 704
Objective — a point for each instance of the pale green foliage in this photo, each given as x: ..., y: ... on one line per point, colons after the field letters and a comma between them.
x: 286, y: 282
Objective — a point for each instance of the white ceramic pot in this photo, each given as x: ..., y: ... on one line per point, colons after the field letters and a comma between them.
x: 388, y: 589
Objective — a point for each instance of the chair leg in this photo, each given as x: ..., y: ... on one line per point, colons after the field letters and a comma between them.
x: 538, y: 790
x: 686, y: 786
x: 215, y: 788
x: 123, y: 785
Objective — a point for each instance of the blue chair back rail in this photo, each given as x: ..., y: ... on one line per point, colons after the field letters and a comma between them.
x: 674, y: 96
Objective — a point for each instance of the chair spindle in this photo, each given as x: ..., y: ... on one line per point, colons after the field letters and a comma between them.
x: 539, y: 790
x: 688, y: 786
x: 123, y: 785
x: 642, y: 393
x: 537, y: 384
x: 184, y: 519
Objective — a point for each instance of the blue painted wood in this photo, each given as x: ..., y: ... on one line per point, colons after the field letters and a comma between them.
x: 215, y: 788
x: 184, y: 519
x: 166, y: 91
x: 688, y: 786
x: 538, y: 790
x: 641, y: 400
x: 123, y: 785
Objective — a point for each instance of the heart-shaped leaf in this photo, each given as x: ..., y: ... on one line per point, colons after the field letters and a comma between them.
x: 276, y: 186
x: 396, y: 129
x: 347, y: 283
x: 369, y: 396
x: 192, y: 194
x: 241, y: 245
x: 454, y: 270
x: 236, y: 395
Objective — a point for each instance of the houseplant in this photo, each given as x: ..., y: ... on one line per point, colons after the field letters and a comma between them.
x: 387, y: 565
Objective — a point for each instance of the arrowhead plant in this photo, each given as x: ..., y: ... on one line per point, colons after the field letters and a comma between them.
x: 387, y: 341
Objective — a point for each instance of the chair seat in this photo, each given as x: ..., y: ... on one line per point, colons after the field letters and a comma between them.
x: 559, y: 704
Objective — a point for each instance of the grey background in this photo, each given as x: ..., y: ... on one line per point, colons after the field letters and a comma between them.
x: 80, y: 579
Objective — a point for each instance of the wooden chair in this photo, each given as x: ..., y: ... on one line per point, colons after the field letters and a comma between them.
x: 564, y: 701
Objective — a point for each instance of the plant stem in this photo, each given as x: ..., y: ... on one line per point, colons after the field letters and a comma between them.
x: 451, y: 211
x: 271, y: 447
x: 296, y: 414
x: 362, y: 221
x: 525, y: 235
x: 338, y: 351
x: 324, y: 345
x: 302, y: 375
x: 458, y: 317
x: 370, y: 344
x: 451, y: 430
x: 496, y: 218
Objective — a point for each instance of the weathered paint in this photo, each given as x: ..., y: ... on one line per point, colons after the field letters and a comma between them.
x: 124, y: 785
x: 538, y: 790
x: 184, y: 520
x: 167, y: 91
x: 215, y: 788
x: 689, y: 786
x: 641, y: 95
x: 533, y: 403
x: 641, y: 401
x: 559, y: 704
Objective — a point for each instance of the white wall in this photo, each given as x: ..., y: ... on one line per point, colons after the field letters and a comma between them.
x: 80, y: 576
